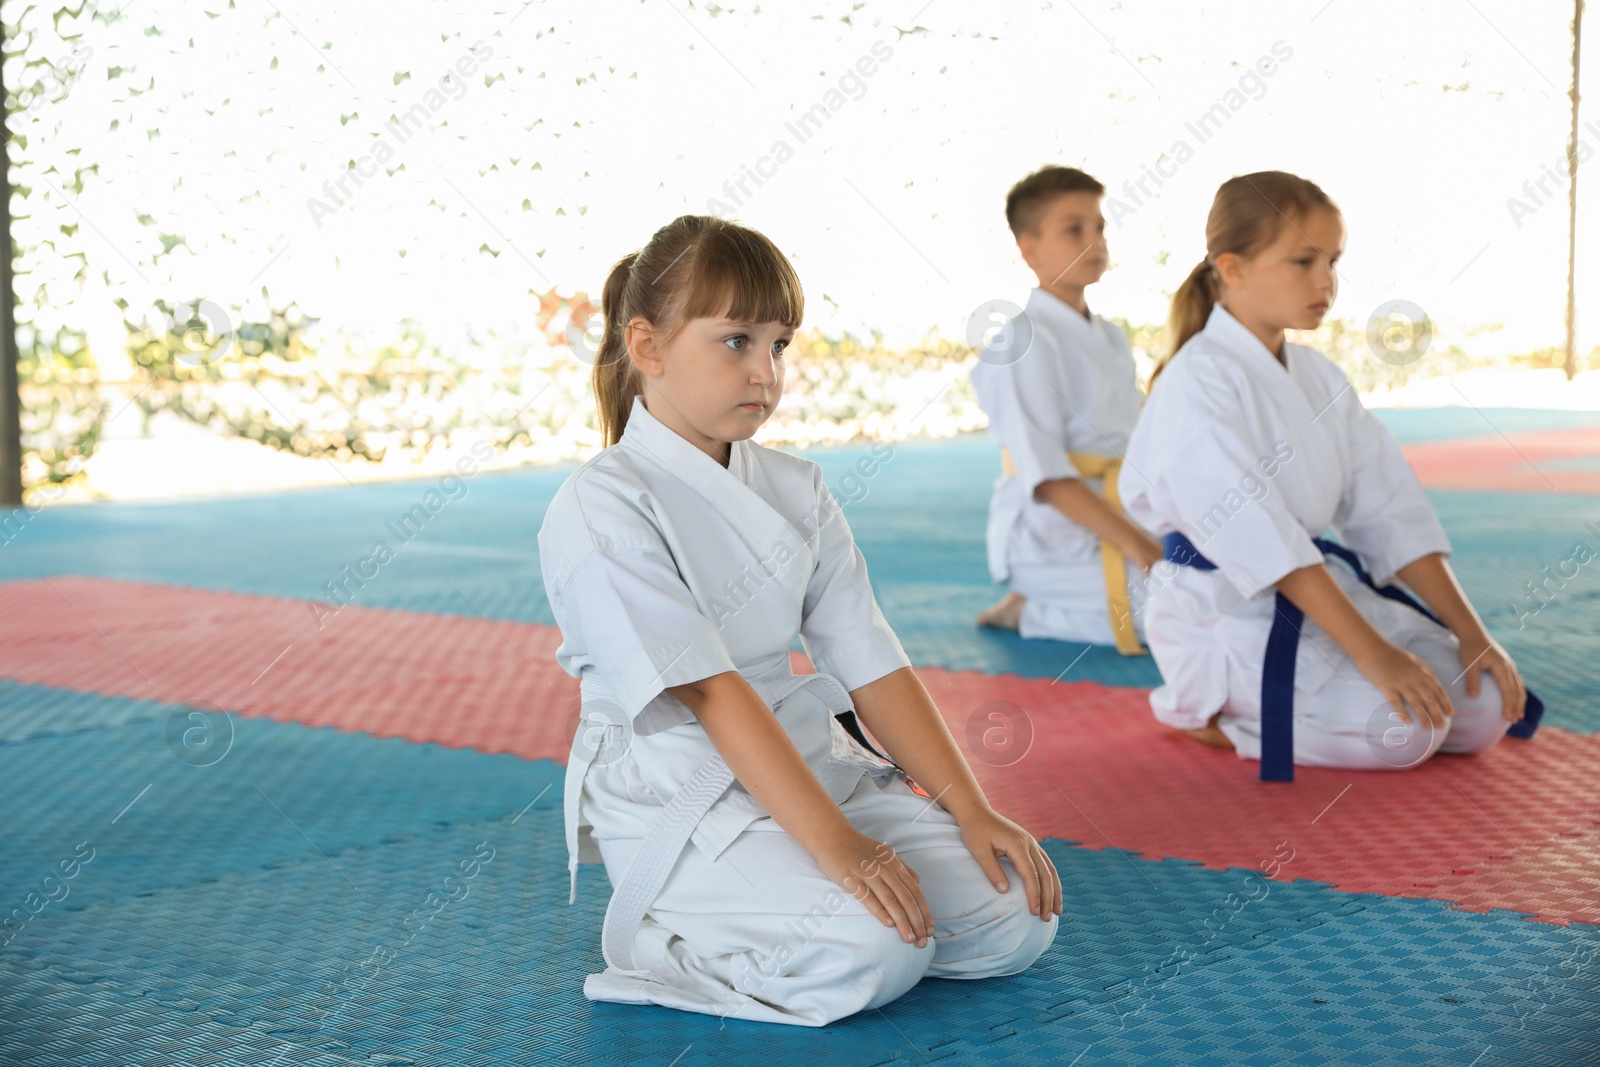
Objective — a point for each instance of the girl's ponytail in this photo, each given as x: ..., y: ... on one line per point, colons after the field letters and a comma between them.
x: 616, y: 382
x: 1191, y: 307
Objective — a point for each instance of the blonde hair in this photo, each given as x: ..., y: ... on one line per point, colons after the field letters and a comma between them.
x: 695, y: 266
x: 1249, y: 213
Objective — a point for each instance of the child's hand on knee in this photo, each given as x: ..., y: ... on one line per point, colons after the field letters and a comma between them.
x: 990, y: 835
x: 1408, y: 684
x: 874, y: 874
x: 1479, y: 653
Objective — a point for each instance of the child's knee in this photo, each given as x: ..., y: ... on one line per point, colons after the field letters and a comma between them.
x: 1025, y: 936
x: 1008, y: 940
x: 1489, y: 697
x: 1478, y: 722
x: 878, y: 965
x: 1388, y: 742
x: 851, y: 964
x: 1026, y: 939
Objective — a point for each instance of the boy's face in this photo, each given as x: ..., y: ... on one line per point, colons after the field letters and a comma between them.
x: 1069, y: 248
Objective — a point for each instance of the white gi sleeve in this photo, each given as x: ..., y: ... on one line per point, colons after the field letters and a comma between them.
x: 1212, y: 478
x: 624, y: 611
x: 1383, y: 513
x: 1028, y: 415
x: 629, y: 613
x: 841, y: 627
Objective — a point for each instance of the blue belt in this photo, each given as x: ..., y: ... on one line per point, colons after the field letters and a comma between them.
x: 1283, y: 640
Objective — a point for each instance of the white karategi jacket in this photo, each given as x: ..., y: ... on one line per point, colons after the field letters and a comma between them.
x: 1074, y: 389
x: 662, y: 567
x: 1251, y: 460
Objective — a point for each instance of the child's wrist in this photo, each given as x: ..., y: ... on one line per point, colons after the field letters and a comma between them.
x: 964, y: 804
x: 1370, y: 646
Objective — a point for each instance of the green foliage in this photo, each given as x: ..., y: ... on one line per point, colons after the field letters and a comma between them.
x: 1346, y: 344
x: 836, y: 379
x: 264, y: 384
x: 63, y: 410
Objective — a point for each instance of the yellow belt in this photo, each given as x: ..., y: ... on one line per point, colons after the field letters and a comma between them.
x: 1116, y: 568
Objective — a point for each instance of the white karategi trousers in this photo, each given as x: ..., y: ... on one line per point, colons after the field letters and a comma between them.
x: 761, y: 934
x: 1067, y: 599
x: 1340, y: 718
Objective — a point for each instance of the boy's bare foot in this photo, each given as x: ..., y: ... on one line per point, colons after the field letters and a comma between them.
x: 1211, y: 734
x: 1005, y: 615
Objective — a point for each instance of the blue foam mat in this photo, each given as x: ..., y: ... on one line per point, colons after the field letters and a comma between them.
x: 281, y: 792
x: 212, y: 927
x: 1414, y: 425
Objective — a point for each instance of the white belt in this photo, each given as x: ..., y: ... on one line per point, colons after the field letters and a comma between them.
x: 773, y: 682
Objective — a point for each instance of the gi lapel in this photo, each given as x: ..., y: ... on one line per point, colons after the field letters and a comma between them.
x: 1275, y: 378
x: 1083, y: 332
x: 774, y: 544
x: 1098, y: 368
x: 1305, y: 419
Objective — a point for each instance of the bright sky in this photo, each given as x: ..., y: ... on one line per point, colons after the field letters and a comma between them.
x: 606, y: 120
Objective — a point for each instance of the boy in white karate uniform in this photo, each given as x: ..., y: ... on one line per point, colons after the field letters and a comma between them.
x: 765, y: 865
x: 1248, y: 449
x: 1061, y: 392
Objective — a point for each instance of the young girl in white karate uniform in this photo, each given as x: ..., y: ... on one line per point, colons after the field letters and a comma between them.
x: 1248, y: 450
x: 764, y: 864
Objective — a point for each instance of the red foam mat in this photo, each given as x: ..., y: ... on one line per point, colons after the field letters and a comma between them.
x: 1518, y: 463
x: 463, y: 682
x: 1515, y: 828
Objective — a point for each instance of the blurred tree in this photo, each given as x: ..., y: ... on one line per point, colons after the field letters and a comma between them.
x: 1571, y: 363
x: 51, y: 409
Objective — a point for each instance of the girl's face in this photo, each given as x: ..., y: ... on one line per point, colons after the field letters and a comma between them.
x: 717, y: 381
x: 1070, y: 247
x: 1291, y: 283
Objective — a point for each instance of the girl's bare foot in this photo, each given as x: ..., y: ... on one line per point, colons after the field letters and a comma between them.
x: 1211, y: 734
x: 1005, y: 615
